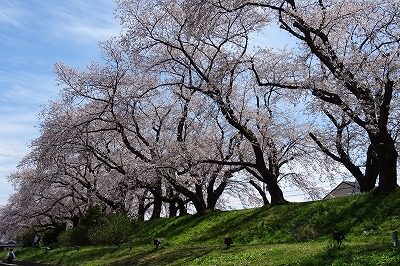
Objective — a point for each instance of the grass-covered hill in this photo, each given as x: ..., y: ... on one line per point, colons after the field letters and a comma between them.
x: 292, y: 234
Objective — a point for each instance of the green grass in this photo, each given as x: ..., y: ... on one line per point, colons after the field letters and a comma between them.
x: 291, y: 234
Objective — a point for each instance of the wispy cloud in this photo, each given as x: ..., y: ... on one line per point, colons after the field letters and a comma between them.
x: 11, y: 13
x: 16, y: 133
x: 272, y: 37
x: 84, y: 20
x: 34, y: 35
x: 28, y: 88
x: 85, y: 31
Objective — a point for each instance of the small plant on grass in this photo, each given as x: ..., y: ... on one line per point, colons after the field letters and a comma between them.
x: 304, y: 233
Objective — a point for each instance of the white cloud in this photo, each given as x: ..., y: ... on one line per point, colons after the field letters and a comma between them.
x: 28, y: 87
x: 86, y: 31
x: 272, y: 37
x: 85, y: 21
x: 17, y: 124
x: 47, y: 31
x: 11, y: 13
x: 23, y: 94
x: 16, y: 134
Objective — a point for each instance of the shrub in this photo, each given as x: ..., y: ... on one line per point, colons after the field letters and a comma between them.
x: 51, y: 235
x: 304, y: 233
x: 78, y: 236
x: 114, y: 230
x: 74, y: 236
x: 92, y: 217
x: 26, y: 239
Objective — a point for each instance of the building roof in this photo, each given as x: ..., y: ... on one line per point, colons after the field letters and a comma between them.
x: 345, y: 188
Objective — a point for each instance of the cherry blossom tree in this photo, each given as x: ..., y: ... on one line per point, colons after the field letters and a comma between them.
x: 152, y: 126
x: 349, y: 51
x: 194, y: 45
x: 201, y: 141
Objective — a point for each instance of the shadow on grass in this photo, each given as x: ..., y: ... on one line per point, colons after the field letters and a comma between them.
x: 293, y: 222
x: 165, y: 256
x: 166, y: 228
x: 363, y: 255
x: 69, y: 256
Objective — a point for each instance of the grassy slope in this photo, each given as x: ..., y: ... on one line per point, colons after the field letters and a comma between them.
x: 292, y: 234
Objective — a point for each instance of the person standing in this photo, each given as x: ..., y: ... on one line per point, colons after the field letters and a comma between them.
x: 10, y: 256
x: 36, y: 240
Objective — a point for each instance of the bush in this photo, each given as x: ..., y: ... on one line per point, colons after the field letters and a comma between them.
x: 304, y: 233
x: 114, y: 230
x: 98, y: 228
x: 78, y: 236
x: 92, y: 217
x: 75, y: 236
x: 50, y: 236
x: 26, y: 239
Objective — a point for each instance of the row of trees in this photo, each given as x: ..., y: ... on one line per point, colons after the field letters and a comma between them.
x: 184, y: 109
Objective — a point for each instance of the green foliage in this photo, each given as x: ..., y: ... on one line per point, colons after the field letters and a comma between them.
x: 97, y: 228
x: 26, y: 239
x: 50, y: 236
x: 77, y: 236
x: 113, y: 230
x: 92, y: 217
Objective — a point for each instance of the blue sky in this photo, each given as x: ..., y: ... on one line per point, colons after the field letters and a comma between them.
x: 34, y: 35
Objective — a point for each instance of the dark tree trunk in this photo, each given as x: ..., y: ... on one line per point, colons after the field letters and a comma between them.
x: 260, y: 191
x: 214, y: 194
x: 276, y: 193
x: 172, y: 206
x: 141, y: 210
x: 157, y: 207
x: 198, y: 200
x: 212, y: 201
x: 387, y: 156
x: 195, y: 197
x: 172, y: 209
x: 266, y: 174
x: 181, y: 207
x: 273, y: 188
x: 366, y: 180
x: 157, y: 203
x: 367, y: 183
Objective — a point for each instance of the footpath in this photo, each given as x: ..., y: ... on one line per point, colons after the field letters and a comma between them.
x: 16, y: 263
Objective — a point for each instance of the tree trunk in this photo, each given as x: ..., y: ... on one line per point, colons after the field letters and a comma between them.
x: 368, y: 181
x: 276, y: 193
x: 272, y: 183
x: 198, y: 200
x: 157, y: 203
x: 387, y: 156
x: 157, y: 206
x: 260, y: 191
x: 182, y: 207
x: 141, y: 210
x: 172, y: 209
x: 214, y: 194
x: 273, y: 188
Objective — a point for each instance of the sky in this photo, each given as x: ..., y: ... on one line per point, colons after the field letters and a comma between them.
x: 36, y: 34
